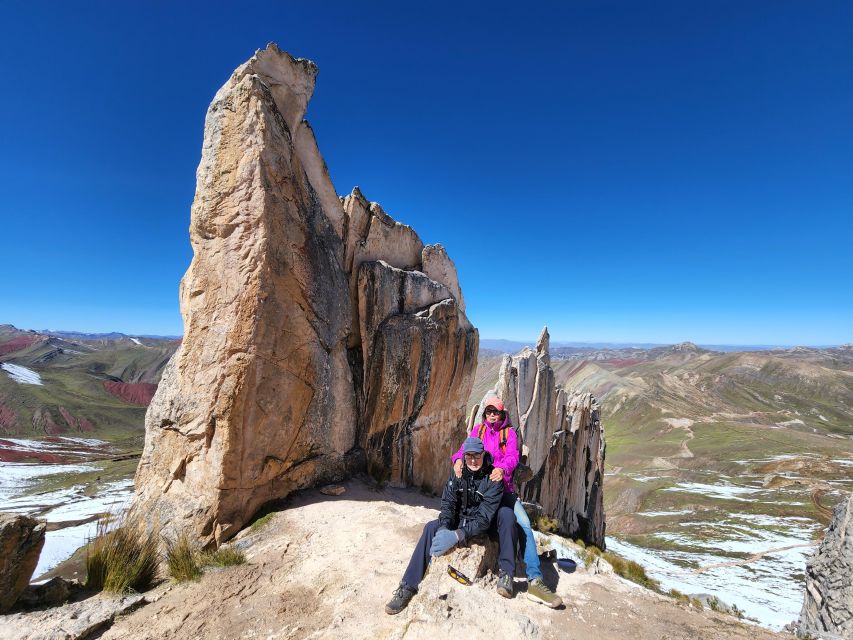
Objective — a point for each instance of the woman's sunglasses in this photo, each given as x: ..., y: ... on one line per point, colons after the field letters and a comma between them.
x: 493, y: 411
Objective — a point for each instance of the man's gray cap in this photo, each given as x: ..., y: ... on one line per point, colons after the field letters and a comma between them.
x: 472, y: 445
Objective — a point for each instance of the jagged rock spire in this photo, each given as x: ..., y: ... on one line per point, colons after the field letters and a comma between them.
x: 562, y: 441
x: 313, y: 345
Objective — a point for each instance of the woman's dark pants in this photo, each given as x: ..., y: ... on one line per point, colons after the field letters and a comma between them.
x: 503, y: 526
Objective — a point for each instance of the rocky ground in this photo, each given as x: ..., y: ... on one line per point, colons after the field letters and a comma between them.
x: 325, y: 566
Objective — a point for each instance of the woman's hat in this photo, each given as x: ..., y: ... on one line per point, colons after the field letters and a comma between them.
x: 495, y: 402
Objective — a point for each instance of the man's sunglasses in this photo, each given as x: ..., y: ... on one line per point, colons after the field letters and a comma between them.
x: 459, y: 577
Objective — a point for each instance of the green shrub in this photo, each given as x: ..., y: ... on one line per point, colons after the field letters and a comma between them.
x: 182, y: 560
x: 631, y: 570
x: 697, y: 604
x: 261, y: 522
x: 122, y: 558
x: 546, y: 524
x: 714, y: 604
x: 737, y: 612
x: 224, y: 557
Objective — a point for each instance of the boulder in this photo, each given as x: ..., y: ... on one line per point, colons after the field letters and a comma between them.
x: 52, y: 593
x: 828, y: 606
x: 474, y: 560
x: 312, y: 339
x: 21, y: 540
x: 561, y: 440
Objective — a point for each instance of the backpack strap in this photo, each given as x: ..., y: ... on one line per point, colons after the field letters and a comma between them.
x: 481, y: 431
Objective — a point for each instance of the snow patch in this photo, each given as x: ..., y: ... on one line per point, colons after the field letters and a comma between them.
x: 21, y: 375
x: 764, y: 589
x: 790, y: 423
x: 722, y: 491
x: 137, y: 342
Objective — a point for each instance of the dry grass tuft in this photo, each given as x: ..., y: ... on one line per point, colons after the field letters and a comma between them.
x: 182, y: 560
x: 121, y: 558
x: 631, y: 570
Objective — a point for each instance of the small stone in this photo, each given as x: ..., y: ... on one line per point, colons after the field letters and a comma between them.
x: 333, y: 490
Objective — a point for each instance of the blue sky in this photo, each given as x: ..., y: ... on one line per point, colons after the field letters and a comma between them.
x: 620, y: 171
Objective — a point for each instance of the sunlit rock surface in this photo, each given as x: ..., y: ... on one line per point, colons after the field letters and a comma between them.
x: 298, y: 364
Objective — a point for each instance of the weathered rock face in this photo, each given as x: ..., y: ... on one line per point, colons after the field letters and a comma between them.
x: 21, y: 540
x: 312, y: 342
x: 561, y: 439
x: 828, y: 606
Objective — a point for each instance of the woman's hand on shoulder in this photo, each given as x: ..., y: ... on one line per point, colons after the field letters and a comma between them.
x: 457, y: 468
x: 497, y: 474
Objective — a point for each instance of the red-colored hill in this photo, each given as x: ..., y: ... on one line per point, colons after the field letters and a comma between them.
x: 17, y: 343
x: 138, y: 393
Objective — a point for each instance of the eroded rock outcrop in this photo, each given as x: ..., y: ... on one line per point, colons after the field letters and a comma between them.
x: 561, y: 439
x: 21, y: 540
x: 320, y: 333
x: 828, y: 606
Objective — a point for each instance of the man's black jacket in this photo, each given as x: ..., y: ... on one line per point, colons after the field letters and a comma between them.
x: 471, y: 502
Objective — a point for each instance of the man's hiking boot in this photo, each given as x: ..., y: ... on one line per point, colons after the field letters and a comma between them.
x: 505, y: 585
x: 402, y: 596
x: 538, y: 591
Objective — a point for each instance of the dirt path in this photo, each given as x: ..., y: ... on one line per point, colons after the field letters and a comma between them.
x: 824, y: 511
x: 324, y: 568
x: 685, y: 424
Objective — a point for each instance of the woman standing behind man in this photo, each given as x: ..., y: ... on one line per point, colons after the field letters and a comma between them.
x: 499, y: 439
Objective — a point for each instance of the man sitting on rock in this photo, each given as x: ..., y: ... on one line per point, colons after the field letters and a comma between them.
x: 469, y: 506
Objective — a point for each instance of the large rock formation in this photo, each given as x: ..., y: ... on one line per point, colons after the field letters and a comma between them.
x: 561, y: 439
x: 21, y: 540
x: 828, y: 606
x: 319, y: 333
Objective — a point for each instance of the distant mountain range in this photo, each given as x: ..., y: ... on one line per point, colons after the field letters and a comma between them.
x: 501, y: 345
x: 113, y: 335
x: 66, y: 383
x: 686, y: 412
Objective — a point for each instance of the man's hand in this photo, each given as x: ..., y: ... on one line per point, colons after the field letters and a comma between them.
x: 457, y: 468
x: 497, y: 474
x: 444, y: 540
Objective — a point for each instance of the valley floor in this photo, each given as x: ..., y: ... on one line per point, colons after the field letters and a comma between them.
x: 325, y: 566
